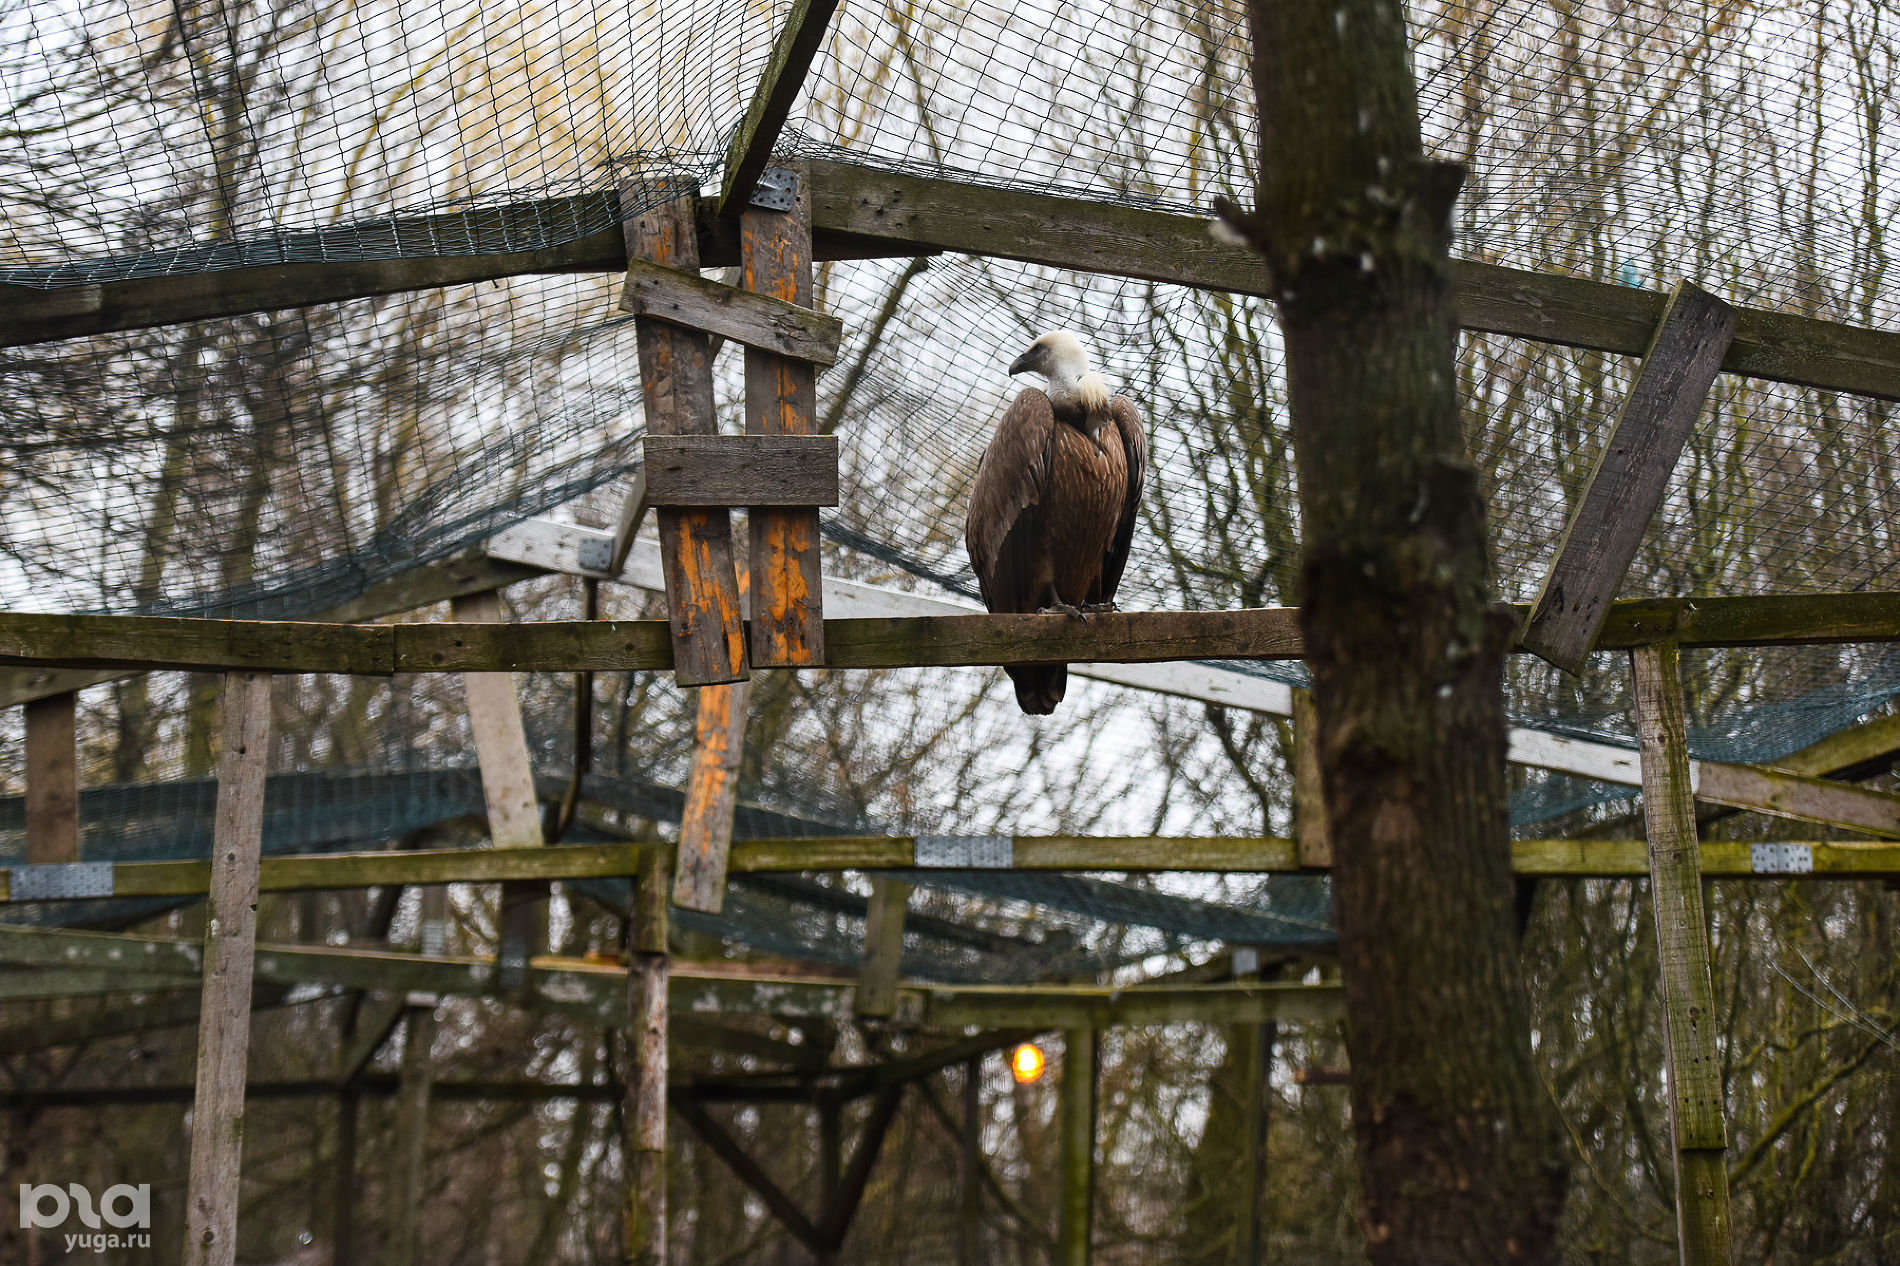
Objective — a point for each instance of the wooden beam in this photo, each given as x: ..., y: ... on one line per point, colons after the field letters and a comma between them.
x: 883, y: 948
x: 702, y: 587
x: 343, y: 1183
x: 751, y: 148
x: 849, y: 1192
x: 919, y: 212
x: 1309, y: 804
x: 781, y: 400
x: 970, y: 1166
x: 224, y: 1028
x: 1633, y: 470
x: 712, y: 796
x: 728, y: 1149
x: 412, y: 1134
x: 743, y: 470
x: 374, y: 1024
x: 1766, y: 790
x: 759, y: 321
x: 1075, y: 1210
x: 1107, y: 1006
x: 1690, y: 1020
x: 648, y: 990
x: 52, y: 779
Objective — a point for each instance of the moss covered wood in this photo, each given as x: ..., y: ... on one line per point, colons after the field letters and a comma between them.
x: 1460, y: 1155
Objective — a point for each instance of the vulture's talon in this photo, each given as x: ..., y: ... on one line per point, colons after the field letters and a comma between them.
x: 1100, y: 608
x: 1063, y: 608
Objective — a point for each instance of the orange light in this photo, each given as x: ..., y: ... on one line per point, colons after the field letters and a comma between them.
x: 1026, y: 1062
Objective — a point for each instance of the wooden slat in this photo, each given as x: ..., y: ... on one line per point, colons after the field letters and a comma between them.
x: 1104, y: 1006
x: 1690, y: 1018
x: 761, y: 321
x: 501, y: 740
x: 1770, y: 791
x: 407, y: 1183
x: 224, y: 1027
x: 1309, y: 797
x: 781, y: 399
x: 1633, y: 469
x: 648, y: 990
x: 743, y: 470
x: 712, y: 796
x: 883, y: 948
x: 52, y: 779
x: 702, y: 587
x: 751, y: 149
x: 1075, y: 1209
x: 924, y: 212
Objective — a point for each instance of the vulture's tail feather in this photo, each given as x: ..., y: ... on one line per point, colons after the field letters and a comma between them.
x: 1039, y: 687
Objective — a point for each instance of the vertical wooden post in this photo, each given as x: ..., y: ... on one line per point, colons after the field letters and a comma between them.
x: 412, y: 1133
x: 514, y: 814
x: 883, y: 948
x: 1076, y: 1214
x: 224, y: 1025
x: 343, y: 1214
x: 1315, y: 846
x: 1689, y: 1015
x: 969, y: 1162
x: 1258, y: 1105
x: 52, y: 779
x: 781, y: 398
x: 712, y: 796
x: 702, y: 588
x: 646, y: 1065
x: 830, y: 1168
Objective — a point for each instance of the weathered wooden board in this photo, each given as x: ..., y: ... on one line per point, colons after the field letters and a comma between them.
x: 1770, y: 791
x: 712, y: 796
x: 743, y: 470
x: 1309, y: 796
x: 702, y: 587
x: 1105, y: 1006
x: 1075, y: 1208
x: 759, y: 321
x: 1690, y: 1020
x: 751, y: 149
x: 883, y: 948
x: 52, y: 779
x: 1633, y: 469
x: 781, y: 399
x: 224, y: 1025
x: 501, y: 740
x: 1061, y: 232
x: 648, y: 1016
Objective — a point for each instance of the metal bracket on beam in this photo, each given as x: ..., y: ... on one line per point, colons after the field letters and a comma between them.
x: 964, y: 852
x: 595, y: 553
x: 62, y: 881
x: 778, y: 189
x: 1781, y: 859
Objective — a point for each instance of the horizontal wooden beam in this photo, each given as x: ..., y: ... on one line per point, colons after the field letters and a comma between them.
x: 741, y: 470
x: 756, y: 320
x: 1106, y: 1006
x: 165, y: 642
x: 1073, y: 233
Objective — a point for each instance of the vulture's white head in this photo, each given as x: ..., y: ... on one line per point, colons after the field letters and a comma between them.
x: 1060, y: 357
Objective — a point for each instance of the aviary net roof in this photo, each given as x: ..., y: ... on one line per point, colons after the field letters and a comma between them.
x: 278, y: 463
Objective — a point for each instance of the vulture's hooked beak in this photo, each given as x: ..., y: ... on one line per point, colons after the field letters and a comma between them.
x: 1027, y: 361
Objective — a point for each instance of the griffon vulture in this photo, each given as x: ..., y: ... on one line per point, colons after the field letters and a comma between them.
x: 1054, y: 504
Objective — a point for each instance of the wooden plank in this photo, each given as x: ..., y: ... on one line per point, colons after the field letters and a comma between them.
x: 501, y: 740
x: 1632, y: 472
x: 751, y: 149
x: 648, y: 999
x: 1106, y: 1006
x: 1691, y: 1021
x: 760, y: 321
x: 217, y: 1121
x: 1874, y: 742
x: 343, y: 1184
x: 712, y: 797
x: 412, y: 1135
x: 969, y: 1168
x: 52, y: 779
x: 743, y: 470
x: 781, y: 399
x: 1075, y: 1210
x: 1309, y: 797
x: 924, y: 212
x: 843, y: 1203
x: 883, y: 948
x: 1765, y: 790
x: 676, y: 378
x: 131, y: 641
x: 727, y: 1149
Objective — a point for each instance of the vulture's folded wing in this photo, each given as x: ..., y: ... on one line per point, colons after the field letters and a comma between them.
x: 1001, y: 526
x: 1127, y: 421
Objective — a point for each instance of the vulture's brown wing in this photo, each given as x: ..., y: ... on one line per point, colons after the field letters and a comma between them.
x: 1127, y: 420
x: 1001, y: 526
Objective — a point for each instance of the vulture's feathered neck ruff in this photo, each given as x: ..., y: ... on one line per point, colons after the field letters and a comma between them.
x: 1079, y: 395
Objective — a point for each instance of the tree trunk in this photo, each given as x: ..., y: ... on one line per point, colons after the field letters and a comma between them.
x: 1460, y: 1156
